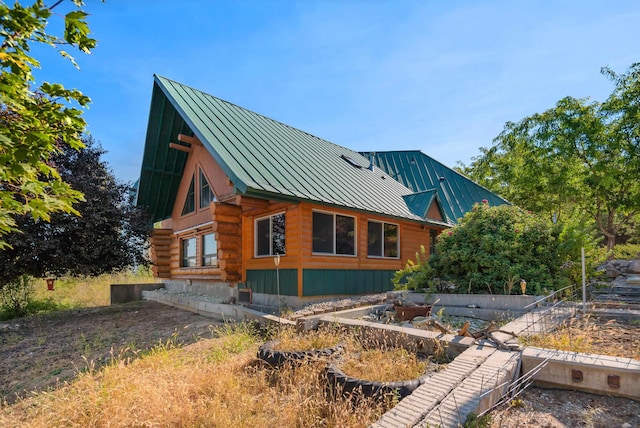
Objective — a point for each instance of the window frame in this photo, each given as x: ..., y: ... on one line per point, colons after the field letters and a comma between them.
x: 202, y: 176
x: 190, y: 199
x: 335, y: 241
x: 382, y: 226
x: 184, y: 257
x: 255, y: 234
x: 205, y: 255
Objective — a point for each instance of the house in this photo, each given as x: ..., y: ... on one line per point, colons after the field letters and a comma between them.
x: 229, y: 189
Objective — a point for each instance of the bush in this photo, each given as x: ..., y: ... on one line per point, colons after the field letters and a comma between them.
x: 15, y: 297
x: 416, y: 275
x: 493, y: 248
x: 626, y: 251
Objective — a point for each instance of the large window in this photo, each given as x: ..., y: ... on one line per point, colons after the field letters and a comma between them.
x: 209, y: 250
x: 188, y: 252
x: 270, y: 235
x: 206, y: 194
x: 382, y: 239
x: 334, y: 234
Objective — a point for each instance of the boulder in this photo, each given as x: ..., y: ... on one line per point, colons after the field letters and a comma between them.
x: 612, y: 272
x: 634, y: 267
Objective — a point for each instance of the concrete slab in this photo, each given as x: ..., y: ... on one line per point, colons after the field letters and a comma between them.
x: 599, y: 374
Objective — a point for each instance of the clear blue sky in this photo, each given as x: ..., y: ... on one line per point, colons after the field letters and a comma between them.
x: 439, y: 76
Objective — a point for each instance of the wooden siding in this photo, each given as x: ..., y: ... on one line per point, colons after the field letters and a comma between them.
x: 434, y: 212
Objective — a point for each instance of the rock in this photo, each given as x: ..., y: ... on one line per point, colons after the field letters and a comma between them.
x: 625, y: 425
x: 612, y: 272
x: 634, y: 267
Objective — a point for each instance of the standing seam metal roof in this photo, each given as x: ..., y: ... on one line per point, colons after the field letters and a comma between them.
x: 420, y: 173
x: 265, y: 158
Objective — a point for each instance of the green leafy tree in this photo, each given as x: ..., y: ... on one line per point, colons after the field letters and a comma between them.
x: 493, y: 248
x: 109, y: 234
x: 578, y: 160
x: 36, y: 121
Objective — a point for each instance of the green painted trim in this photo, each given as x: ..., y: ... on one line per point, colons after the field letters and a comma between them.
x: 264, y: 281
x: 319, y: 282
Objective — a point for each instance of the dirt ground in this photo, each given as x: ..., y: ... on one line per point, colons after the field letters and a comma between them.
x: 42, y: 351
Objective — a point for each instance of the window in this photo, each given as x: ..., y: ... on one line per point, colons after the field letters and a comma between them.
x: 188, y: 252
x: 190, y: 201
x: 206, y: 194
x: 334, y: 234
x: 382, y: 239
x: 433, y: 236
x: 270, y: 235
x: 209, y: 250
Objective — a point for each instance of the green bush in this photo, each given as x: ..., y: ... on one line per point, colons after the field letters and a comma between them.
x: 416, y: 275
x: 15, y: 297
x: 493, y: 248
x: 626, y: 251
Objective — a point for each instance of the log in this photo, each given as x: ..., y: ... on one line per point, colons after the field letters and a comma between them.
x: 187, y: 139
x: 230, y: 219
x: 227, y: 254
x: 180, y: 147
x: 227, y: 228
x: 249, y: 202
x: 225, y: 209
x: 228, y: 238
x: 232, y: 265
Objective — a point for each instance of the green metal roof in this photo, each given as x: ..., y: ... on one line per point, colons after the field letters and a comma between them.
x: 262, y: 158
x: 421, y: 173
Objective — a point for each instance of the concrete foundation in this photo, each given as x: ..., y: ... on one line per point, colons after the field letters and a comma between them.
x: 598, y: 374
x: 125, y: 293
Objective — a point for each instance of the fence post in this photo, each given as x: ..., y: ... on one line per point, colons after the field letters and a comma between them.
x: 584, y: 285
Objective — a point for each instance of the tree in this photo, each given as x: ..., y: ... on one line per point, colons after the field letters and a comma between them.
x: 109, y: 234
x: 36, y: 123
x: 579, y: 158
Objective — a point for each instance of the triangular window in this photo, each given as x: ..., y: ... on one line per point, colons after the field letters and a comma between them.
x: 206, y: 194
x: 190, y: 202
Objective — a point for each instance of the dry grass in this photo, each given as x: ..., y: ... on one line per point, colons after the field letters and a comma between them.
x: 289, y: 340
x: 212, y: 383
x: 592, y: 335
x: 82, y: 292
x: 384, y: 365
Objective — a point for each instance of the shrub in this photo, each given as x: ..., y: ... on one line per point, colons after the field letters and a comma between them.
x: 493, y: 248
x: 416, y: 275
x: 626, y: 251
x: 15, y: 297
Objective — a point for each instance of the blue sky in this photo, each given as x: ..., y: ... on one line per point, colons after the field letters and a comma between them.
x: 439, y: 76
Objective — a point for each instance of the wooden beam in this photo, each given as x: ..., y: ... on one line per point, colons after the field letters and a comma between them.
x: 180, y: 147
x: 187, y: 139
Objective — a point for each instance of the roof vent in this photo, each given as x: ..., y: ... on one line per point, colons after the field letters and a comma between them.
x: 371, y: 156
x: 441, y: 178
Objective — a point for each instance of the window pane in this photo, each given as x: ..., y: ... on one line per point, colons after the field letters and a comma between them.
x: 190, y: 201
x: 209, y: 250
x: 189, y: 252
x: 433, y: 236
x: 345, y: 235
x: 390, y: 240
x: 323, y: 233
x: 206, y: 194
x: 278, y: 234
x: 262, y: 237
x: 374, y: 238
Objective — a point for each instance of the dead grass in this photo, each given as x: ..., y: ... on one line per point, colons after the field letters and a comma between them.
x: 289, y: 340
x: 592, y: 335
x: 383, y: 365
x: 213, y: 383
x: 84, y: 292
